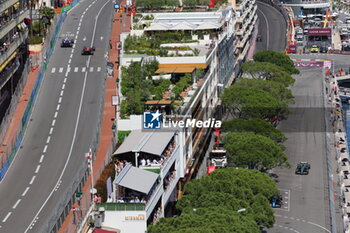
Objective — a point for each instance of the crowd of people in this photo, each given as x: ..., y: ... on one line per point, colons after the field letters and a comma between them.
x: 119, y: 165
x: 157, y: 214
x: 148, y: 162
x: 4, y: 46
x: 169, y: 178
x: 132, y: 199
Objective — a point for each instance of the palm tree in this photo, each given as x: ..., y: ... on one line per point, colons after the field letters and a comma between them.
x: 31, y: 4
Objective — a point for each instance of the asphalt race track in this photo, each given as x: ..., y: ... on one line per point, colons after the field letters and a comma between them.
x: 63, y: 122
x: 271, y: 28
x: 306, y: 201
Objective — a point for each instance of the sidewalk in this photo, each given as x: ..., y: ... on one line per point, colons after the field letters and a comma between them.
x: 16, y: 119
x: 106, y: 134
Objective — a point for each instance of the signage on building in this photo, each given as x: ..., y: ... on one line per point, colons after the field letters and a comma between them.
x: 138, y: 217
x: 319, y: 32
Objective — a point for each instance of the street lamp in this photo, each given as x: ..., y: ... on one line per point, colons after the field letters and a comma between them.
x: 241, y: 210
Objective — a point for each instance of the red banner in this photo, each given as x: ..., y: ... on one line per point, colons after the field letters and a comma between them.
x: 319, y: 32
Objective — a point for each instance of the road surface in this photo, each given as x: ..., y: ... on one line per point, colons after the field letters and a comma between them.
x: 63, y: 123
x: 306, y: 198
x: 271, y: 27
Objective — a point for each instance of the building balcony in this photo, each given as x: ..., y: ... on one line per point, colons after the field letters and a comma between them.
x: 170, y: 187
x: 122, y: 206
x: 4, y: 4
x: 8, y: 71
x: 240, y: 5
x: 16, y: 19
x: 11, y: 48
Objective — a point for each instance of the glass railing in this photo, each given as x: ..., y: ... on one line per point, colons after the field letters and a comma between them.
x: 122, y: 206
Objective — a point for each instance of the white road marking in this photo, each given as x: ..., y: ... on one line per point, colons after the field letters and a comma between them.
x: 61, y: 94
x: 60, y: 70
x: 48, y: 139
x: 98, y: 69
x: 267, y: 29
x: 78, y: 29
x: 25, y: 192
x: 63, y: 86
x: 76, y: 69
x: 64, y: 80
x: 16, y: 204
x: 91, y: 69
x: 41, y: 158
x: 53, y: 70
x: 58, y: 107
x: 84, y: 69
x: 45, y: 148
x: 59, y: 100
x: 53, y: 122
x: 69, y: 61
x: 68, y: 68
x: 32, y: 180
x: 55, y: 116
x: 51, y: 129
x: 317, y: 225
x: 73, y: 48
x: 71, y: 55
x: 76, y: 124
x: 79, y: 24
x: 37, y: 169
x: 7, y: 216
x: 76, y: 37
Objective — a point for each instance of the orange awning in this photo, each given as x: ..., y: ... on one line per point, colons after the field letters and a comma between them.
x: 179, y: 68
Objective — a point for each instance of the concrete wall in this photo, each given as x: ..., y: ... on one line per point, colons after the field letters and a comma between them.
x: 126, y: 221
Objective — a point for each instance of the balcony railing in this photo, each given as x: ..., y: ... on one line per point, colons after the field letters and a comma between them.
x: 6, y: 74
x: 13, y: 46
x: 122, y: 206
x: 16, y: 19
x: 4, y: 4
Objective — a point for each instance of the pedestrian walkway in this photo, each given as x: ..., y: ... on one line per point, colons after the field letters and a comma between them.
x: 16, y: 119
x: 106, y: 133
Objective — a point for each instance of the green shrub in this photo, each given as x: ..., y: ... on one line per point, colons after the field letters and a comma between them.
x: 122, y: 135
x: 35, y: 39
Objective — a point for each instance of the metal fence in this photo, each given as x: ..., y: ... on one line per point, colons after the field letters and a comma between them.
x: 329, y: 159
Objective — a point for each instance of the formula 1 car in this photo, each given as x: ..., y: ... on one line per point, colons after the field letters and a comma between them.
x: 67, y: 43
x: 88, y: 51
x: 276, y: 201
x: 302, y: 168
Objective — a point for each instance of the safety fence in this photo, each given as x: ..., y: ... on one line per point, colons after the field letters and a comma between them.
x: 328, y: 156
x: 8, y: 154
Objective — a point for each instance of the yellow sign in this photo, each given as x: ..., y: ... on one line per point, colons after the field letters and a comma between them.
x: 138, y: 217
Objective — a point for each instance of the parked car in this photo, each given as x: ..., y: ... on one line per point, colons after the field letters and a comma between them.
x: 314, y: 49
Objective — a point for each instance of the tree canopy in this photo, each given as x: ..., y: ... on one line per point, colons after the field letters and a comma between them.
x: 253, y: 102
x: 210, y: 204
x: 257, y: 126
x: 254, y: 151
x: 267, y: 71
x: 276, y: 89
x: 276, y: 58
